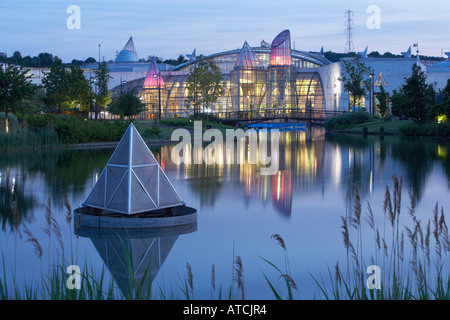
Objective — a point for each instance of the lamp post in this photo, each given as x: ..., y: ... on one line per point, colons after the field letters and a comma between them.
x: 372, y: 103
x: 122, y: 82
x: 371, y: 92
x: 159, y: 95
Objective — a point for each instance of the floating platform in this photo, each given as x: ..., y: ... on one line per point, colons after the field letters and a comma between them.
x: 162, y: 218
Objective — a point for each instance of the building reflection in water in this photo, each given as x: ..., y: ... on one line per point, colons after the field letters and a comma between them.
x: 299, y: 161
x: 134, y: 256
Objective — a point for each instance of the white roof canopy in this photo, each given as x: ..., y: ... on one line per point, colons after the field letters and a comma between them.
x: 132, y: 181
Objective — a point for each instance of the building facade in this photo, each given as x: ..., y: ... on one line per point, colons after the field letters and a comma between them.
x: 265, y: 80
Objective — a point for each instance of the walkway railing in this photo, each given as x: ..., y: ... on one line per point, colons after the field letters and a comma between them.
x: 292, y: 114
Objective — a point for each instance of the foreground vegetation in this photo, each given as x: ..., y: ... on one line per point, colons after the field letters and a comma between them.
x: 58, y: 130
x: 413, y: 257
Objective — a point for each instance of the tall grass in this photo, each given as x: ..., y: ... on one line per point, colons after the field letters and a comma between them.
x: 24, y: 139
x: 409, y: 275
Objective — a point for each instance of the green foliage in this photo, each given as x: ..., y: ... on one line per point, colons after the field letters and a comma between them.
x: 126, y: 105
x: 414, y: 98
x: 347, y: 120
x: 153, y: 131
x: 177, y: 122
x: 175, y: 62
x: 446, y: 100
x: 103, y: 97
x: 43, y: 60
x: 73, y: 129
x: 382, y: 107
x: 429, y: 129
x: 204, y: 84
x: 14, y: 88
x: 67, y: 89
x: 356, y: 79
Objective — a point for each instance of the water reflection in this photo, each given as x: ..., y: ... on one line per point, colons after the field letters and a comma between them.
x: 309, y: 161
x: 134, y: 256
x: 316, y: 172
x: 299, y: 161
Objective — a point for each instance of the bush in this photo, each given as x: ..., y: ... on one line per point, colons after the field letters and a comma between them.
x: 74, y: 129
x: 177, y: 122
x: 347, y: 120
x: 427, y: 129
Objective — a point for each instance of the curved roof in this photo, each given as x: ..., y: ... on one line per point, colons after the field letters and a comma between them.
x: 312, y: 57
x: 280, y: 51
x: 281, y: 38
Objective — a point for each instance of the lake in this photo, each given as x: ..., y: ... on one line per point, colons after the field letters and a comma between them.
x: 238, y: 212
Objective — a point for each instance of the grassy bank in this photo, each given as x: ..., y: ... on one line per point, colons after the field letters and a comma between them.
x: 361, y: 122
x: 393, y: 127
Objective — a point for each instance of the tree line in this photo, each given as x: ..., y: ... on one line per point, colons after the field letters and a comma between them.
x: 42, y: 60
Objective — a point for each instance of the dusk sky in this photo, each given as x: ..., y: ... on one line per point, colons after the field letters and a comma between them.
x: 170, y: 28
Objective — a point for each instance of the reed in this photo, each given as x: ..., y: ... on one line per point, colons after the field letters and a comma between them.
x: 286, y: 276
x: 404, y: 277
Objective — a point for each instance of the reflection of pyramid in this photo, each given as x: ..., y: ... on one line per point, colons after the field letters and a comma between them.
x: 134, y: 257
x: 134, y: 262
x: 132, y: 181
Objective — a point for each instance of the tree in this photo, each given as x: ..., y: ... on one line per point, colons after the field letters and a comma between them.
x: 356, y: 79
x: 14, y: 88
x: 446, y: 99
x: 382, y: 107
x: 80, y: 90
x: 126, y: 105
x: 175, y: 62
x: 67, y: 89
x: 55, y: 83
x: 103, y: 96
x: 414, y: 97
x: 204, y: 84
x: 90, y: 60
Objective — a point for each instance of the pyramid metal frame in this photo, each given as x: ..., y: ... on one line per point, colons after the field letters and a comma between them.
x: 132, y: 181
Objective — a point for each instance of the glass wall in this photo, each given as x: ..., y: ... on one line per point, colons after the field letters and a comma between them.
x: 309, y: 91
x: 258, y: 82
x: 280, y: 53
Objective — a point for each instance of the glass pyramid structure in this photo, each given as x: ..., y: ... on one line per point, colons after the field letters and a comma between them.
x: 132, y: 181
x: 247, y: 59
x: 153, y: 78
x: 128, y: 53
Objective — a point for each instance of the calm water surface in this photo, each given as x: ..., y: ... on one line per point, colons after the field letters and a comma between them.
x: 238, y: 211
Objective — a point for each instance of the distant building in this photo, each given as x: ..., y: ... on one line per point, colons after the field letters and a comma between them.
x: 128, y: 53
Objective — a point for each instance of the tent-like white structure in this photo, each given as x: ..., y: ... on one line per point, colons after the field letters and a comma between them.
x: 132, y: 181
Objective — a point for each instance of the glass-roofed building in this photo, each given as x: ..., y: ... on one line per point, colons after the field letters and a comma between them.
x: 257, y: 80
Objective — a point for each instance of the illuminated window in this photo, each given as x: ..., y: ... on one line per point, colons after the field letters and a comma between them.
x: 281, y: 50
